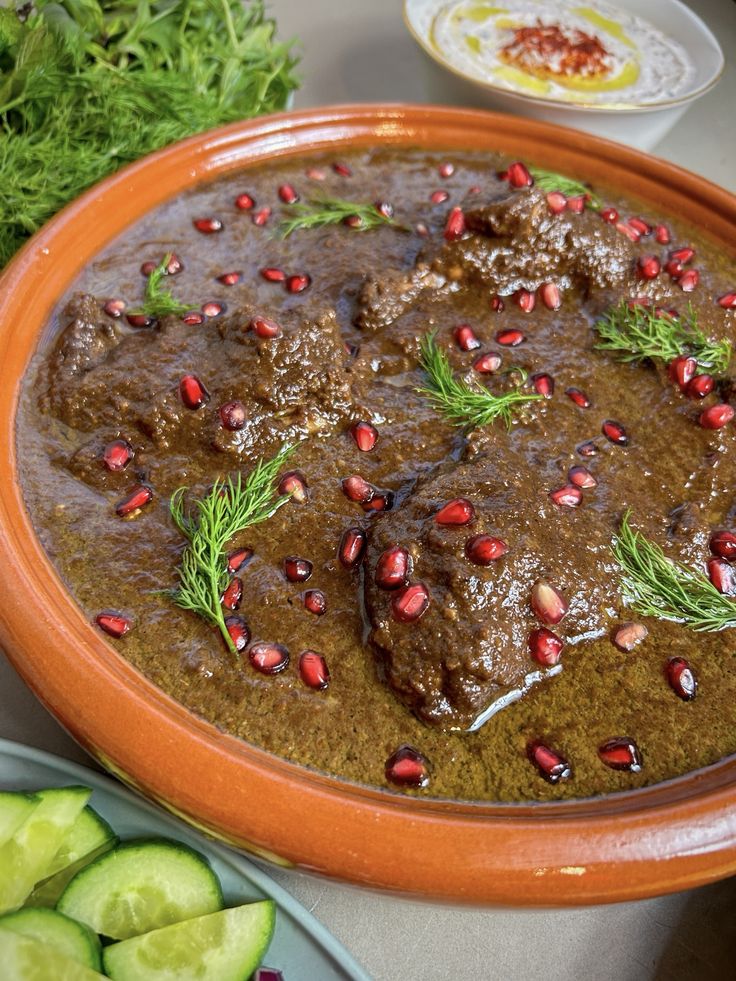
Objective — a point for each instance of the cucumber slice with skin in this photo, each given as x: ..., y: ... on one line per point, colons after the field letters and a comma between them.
x: 14, y: 809
x: 25, y: 858
x: 26, y: 959
x: 224, y: 946
x: 141, y: 886
x: 74, y: 940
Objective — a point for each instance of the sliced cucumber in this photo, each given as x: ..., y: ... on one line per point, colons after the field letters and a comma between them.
x: 14, y: 809
x: 74, y: 940
x: 224, y: 946
x: 141, y: 886
x: 26, y: 959
x: 25, y: 858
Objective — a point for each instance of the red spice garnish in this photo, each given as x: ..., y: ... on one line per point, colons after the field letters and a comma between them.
x: 549, y: 50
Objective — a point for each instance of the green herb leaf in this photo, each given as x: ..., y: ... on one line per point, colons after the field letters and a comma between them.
x: 638, y: 332
x: 160, y: 302
x: 547, y: 180
x: 462, y: 404
x: 659, y: 587
x: 333, y: 211
x: 230, y: 507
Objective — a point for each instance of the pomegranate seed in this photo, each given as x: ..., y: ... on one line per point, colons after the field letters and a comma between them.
x: 689, y: 280
x: 588, y: 448
x: 407, y: 767
x: 455, y: 225
x: 383, y: 501
x: 576, y: 204
x: 568, y: 496
x: 315, y: 601
x: 579, y: 397
x: 139, y: 496
x: 384, y: 208
x: 193, y: 318
x: 610, y: 215
x: 268, y: 974
x: 510, y: 337
x: 238, y: 559
x: 213, y: 309
x: 465, y: 338
x: 716, y: 416
x: 115, y: 308
x: 723, y: 544
x: 545, y: 647
x: 421, y: 229
x: 684, y: 254
x: 648, y: 267
x: 352, y: 547
x: 238, y: 630
x: 233, y: 595
x: 525, y: 300
x: 313, y: 670
x: 700, y: 386
x: 342, y: 169
x: 261, y: 216
x: 357, y: 489
x: 174, y: 265
x: 484, y: 549
x: 458, y: 511
x: 557, y: 202
x: 316, y: 173
x: 353, y: 221
x: 615, y: 432
x: 230, y: 278
x: 268, y: 658
x: 294, y: 485
x: 148, y: 267
x: 682, y: 369
x: 287, y: 194
x: 232, y: 415
x: 113, y: 623
x: 486, y: 364
x: 681, y: 678
x: 629, y: 635
x: 245, y: 202
x: 550, y: 293
x: 296, y: 569
x: 547, y: 602
x: 673, y: 268
x: 393, y: 568
x: 727, y: 301
x: 641, y: 226
x: 497, y: 304
x: 273, y: 275
x: 446, y: 170
x: 411, y: 603
x: 365, y: 436
x: 518, y: 175
x: 208, y: 226
x: 139, y: 319
x: 621, y: 753
x: 581, y: 477
x: 438, y: 197
x: 298, y: 283
x: 628, y: 231
x: 723, y: 576
x: 264, y: 327
x: 117, y: 455
x: 551, y: 765
x: 662, y: 234
x: 544, y: 384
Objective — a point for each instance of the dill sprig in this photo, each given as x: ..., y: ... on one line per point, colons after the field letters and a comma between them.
x: 320, y: 211
x: 547, y: 180
x: 660, y: 587
x: 159, y: 301
x: 231, y: 506
x: 463, y: 404
x: 638, y: 332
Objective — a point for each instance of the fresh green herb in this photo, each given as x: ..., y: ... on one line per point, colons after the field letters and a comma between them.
x: 229, y: 508
x: 659, y: 587
x: 463, y: 404
x: 159, y: 302
x: 638, y: 332
x: 547, y: 180
x: 89, y: 85
x: 332, y: 211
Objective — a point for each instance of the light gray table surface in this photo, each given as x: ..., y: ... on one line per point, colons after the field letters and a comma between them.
x: 358, y: 51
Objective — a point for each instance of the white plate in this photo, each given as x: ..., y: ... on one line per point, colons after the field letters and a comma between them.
x: 301, y: 947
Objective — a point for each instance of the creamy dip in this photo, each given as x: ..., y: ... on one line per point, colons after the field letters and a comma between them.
x: 595, y: 54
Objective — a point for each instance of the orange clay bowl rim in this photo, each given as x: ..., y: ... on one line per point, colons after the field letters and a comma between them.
x: 640, y: 843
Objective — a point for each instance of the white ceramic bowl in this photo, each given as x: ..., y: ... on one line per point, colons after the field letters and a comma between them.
x: 641, y: 127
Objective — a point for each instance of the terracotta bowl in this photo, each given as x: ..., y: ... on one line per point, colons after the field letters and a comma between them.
x: 644, y: 842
